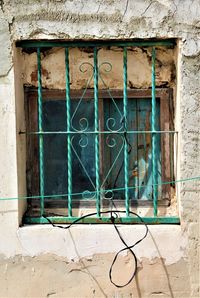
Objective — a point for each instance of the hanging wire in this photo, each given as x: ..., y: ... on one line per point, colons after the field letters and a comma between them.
x: 126, y: 248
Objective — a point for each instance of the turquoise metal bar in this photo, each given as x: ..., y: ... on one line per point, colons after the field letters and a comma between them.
x: 103, y: 220
x: 96, y: 127
x: 126, y: 172
x: 153, y: 128
x: 69, y: 155
x: 128, y: 43
x: 41, y: 157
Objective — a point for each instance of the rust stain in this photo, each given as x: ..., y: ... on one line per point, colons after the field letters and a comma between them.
x: 134, y: 173
x: 34, y: 76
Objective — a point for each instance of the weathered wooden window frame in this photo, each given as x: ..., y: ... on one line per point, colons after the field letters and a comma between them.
x: 166, y: 124
x: 95, y: 46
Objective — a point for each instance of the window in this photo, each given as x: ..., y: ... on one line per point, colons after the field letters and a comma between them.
x: 96, y: 147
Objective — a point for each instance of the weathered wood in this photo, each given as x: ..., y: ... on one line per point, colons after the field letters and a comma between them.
x: 58, y: 207
x: 165, y: 144
x: 32, y: 141
x: 32, y: 162
x: 53, y: 94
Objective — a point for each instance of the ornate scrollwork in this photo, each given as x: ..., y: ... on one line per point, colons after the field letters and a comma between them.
x: 111, y: 122
x: 108, y: 194
x: 111, y: 141
x: 88, y: 195
x: 105, y: 66
x: 83, y: 67
x: 83, y: 142
x: 111, y: 125
x: 83, y: 122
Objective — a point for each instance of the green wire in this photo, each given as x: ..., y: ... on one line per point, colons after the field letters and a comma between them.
x: 103, y: 191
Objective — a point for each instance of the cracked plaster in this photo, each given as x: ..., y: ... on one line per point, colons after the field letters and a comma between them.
x: 102, y: 20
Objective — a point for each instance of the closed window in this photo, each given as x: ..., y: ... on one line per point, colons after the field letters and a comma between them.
x: 98, y: 148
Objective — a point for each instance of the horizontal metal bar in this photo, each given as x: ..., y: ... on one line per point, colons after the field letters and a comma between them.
x: 94, y: 43
x: 102, y: 220
x: 98, y: 132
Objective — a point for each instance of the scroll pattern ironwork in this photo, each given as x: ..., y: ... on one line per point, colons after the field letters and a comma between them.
x: 112, y: 128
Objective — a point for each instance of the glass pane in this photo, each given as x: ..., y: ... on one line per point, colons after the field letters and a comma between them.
x: 139, y: 148
x: 55, y: 147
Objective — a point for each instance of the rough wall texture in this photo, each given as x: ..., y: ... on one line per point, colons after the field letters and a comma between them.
x: 53, y: 68
x: 103, y: 19
x: 62, y: 278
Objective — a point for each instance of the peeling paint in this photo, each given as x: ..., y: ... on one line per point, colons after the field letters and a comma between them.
x: 164, y: 242
x: 53, y: 68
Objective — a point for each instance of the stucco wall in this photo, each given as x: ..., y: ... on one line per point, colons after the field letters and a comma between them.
x: 42, y: 261
x: 138, y: 71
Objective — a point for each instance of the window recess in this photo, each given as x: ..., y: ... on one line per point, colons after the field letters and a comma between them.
x: 98, y: 148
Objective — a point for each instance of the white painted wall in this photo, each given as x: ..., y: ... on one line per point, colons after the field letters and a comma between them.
x: 104, y: 20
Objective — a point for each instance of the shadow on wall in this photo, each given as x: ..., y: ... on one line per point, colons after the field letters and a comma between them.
x: 85, y: 269
x: 163, y: 267
x: 152, y: 278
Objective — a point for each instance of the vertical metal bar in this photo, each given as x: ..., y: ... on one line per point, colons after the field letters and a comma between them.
x: 69, y: 155
x: 96, y: 127
x: 153, y: 128
x: 41, y: 153
x: 138, y: 165
x: 125, y: 129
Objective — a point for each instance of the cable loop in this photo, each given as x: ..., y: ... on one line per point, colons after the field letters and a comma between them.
x: 127, y: 247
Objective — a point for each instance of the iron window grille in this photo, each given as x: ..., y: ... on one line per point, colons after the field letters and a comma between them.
x: 108, y: 125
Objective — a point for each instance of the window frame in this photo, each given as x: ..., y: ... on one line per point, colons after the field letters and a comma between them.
x: 166, y: 124
x: 37, y: 45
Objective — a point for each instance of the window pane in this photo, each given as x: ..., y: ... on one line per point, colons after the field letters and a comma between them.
x: 55, y: 147
x: 139, y: 147
x: 83, y: 149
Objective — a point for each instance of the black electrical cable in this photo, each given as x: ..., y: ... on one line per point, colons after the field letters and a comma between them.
x: 112, y: 218
x: 127, y: 247
x: 129, y: 151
